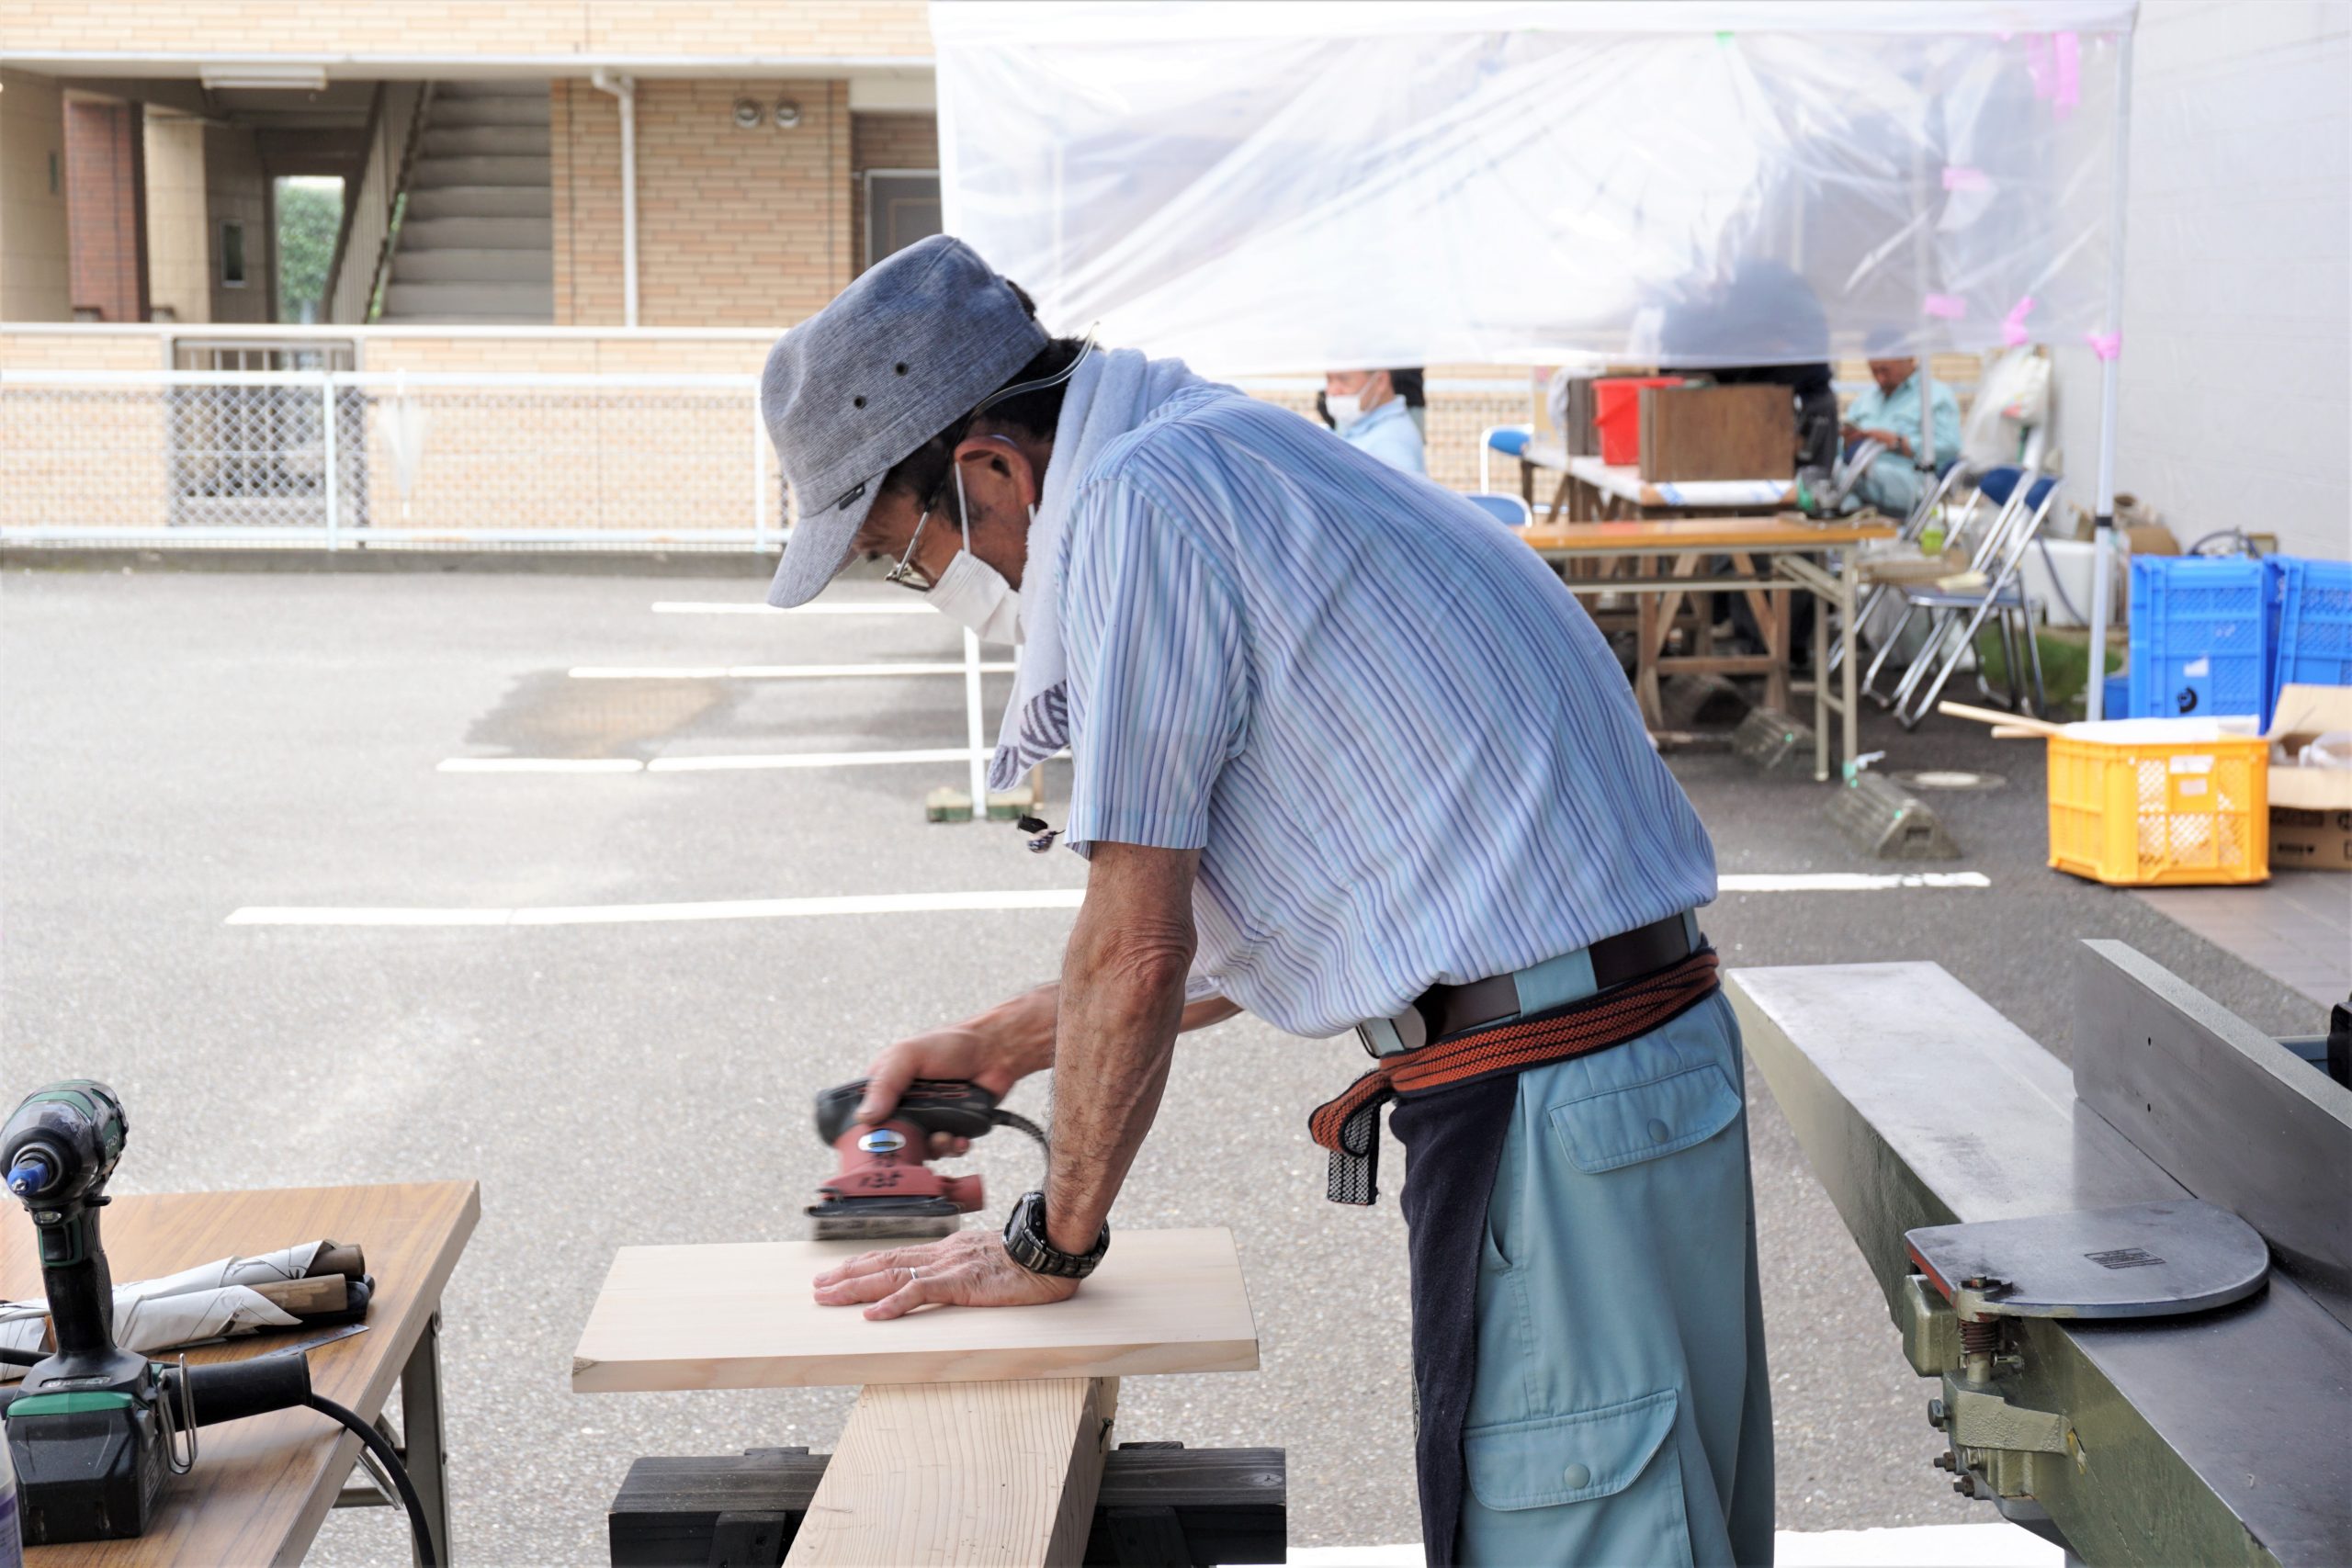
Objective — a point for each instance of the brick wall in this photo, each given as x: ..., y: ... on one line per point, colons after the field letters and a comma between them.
x: 885, y: 141
x: 735, y: 228
x: 106, y: 207
x: 260, y: 29
x: 36, y: 277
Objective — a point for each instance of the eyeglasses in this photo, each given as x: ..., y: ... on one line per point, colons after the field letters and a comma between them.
x: 907, y: 574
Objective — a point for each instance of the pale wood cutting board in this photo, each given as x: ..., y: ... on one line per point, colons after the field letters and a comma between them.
x: 742, y: 1316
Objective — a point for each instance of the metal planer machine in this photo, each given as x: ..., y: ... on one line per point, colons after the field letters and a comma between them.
x: 2132, y: 1280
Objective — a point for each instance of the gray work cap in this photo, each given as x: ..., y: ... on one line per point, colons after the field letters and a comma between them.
x: 899, y: 355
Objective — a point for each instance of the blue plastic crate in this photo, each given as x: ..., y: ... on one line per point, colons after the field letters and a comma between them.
x: 2315, y: 646
x: 2119, y: 696
x: 2201, y: 636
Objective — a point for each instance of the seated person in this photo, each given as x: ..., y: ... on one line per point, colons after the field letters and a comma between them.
x: 1889, y: 414
x: 1373, y: 410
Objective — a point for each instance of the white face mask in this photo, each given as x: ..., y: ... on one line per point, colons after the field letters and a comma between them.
x: 974, y: 593
x: 1346, y: 408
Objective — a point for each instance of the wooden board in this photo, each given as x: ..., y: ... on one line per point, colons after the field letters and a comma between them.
x: 973, y: 1473
x: 1709, y: 533
x: 262, y: 1486
x: 1717, y: 432
x: 742, y: 1316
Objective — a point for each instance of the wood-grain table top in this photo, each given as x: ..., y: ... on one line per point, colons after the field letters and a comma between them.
x: 1713, y: 535
x: 261, y: 1487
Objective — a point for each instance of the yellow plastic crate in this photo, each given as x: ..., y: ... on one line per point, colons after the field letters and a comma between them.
x: 2135, y: 810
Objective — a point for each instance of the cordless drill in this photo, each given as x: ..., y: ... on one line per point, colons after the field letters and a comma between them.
x: 885, y: 1190
x: 93, y: 1427
x: 88, y: 1428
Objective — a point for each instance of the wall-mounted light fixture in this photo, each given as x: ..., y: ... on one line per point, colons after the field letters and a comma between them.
x: 749, y: 113
x: 265, y: 76
x: 787, y: 114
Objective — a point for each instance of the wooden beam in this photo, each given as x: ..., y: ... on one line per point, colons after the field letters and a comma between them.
x: 989, y: 1472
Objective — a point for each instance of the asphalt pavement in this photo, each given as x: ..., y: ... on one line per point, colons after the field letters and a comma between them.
x: 175, y: 746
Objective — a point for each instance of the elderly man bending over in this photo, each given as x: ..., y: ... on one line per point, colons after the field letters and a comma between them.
x: 1346, y: 754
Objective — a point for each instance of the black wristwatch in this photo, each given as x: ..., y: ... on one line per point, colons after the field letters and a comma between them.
x: 1024, y: 1238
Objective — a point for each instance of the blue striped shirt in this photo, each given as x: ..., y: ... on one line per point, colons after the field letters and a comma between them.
x: 1404, y: 753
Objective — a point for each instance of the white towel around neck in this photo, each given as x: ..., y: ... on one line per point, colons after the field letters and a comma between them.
x: 1114, y: 391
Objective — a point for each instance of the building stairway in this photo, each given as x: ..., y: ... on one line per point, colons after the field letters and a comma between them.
x: 476, y: 239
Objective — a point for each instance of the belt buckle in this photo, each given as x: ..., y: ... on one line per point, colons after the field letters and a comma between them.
x: 1383, y: 1038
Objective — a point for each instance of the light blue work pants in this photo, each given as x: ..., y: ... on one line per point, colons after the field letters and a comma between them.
x: 1893, y: 484
x: 1620, y: 1413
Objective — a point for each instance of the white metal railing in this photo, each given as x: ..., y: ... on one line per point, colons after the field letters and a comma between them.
x: 237, y: 448
x: 368, y: 232
x: 348, y: 458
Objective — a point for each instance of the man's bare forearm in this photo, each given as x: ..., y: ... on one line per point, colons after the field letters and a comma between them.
x: 1122, y: 1003
x: 1022, y: 1028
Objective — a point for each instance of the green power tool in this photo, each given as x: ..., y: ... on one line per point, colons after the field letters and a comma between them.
x: 89, y: 1429
x: 94, y: 1429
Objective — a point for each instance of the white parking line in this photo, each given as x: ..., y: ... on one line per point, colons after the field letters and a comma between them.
x: 913, y: 606
x: 812, y: 759
x: 540, y: 765
x: 1844, y: 880
x: 893, y: 904
x: 719, y: 764
x: 770, y: 671
x: 630, y: 914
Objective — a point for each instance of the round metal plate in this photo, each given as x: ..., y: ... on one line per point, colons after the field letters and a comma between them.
x: 2141, y: 1261
x: 1948, y: 778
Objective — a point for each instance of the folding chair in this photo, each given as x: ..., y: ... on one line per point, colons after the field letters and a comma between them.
x: 1957, y: 615
x: 1955, y: 474
x: 1508, y: 510
x: 1510, y: 440
x: 1978, y: 525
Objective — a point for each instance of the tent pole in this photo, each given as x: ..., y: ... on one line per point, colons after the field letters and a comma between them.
x: 2103, y: 519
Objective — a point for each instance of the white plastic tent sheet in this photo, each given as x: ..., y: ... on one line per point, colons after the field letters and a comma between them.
x: 1274, y: 186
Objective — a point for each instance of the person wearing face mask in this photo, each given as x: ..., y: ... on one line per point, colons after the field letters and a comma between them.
x: 1309, y: 781
x: 1376, y: 411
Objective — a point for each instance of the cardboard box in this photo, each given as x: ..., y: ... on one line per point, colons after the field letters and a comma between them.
x: 2311, y: 808
x: 1717, y: 432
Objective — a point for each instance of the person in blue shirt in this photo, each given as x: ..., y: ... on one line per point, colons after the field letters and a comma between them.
x: 1889, y: 414
x: 1346, y: 755
x: 1376, y: 411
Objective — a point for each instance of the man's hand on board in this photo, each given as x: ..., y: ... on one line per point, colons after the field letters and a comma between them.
x: 968, y: 1269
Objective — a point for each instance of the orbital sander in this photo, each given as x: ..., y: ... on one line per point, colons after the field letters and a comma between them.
x: 886, y: 1189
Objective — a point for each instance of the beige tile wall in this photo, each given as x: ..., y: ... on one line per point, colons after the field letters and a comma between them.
x: 179, y: 244
x: 34, y: 283
x: 237, y: 190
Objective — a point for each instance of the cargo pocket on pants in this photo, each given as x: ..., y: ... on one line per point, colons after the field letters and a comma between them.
x: 1609, y: 1475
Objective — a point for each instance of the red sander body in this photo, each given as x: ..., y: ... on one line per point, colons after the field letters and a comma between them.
x: 886, y: 1189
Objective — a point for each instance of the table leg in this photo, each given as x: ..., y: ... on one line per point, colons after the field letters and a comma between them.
x: 421, y: 1433
x: 1776, y: 684
x: 1820, y: 689
x: 1849, y: 726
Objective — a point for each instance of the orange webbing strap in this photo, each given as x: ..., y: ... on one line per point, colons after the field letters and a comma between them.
x: 1349, y: 1125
